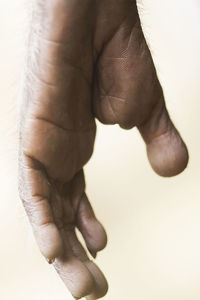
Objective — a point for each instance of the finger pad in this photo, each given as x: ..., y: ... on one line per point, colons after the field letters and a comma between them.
x: 49, y: 241
x: 76, y: 277
x: 168, y: 155
x: 100, y: 282
x: 94, y: 235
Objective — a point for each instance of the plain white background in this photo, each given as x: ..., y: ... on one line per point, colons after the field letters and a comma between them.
x: 153, y: 223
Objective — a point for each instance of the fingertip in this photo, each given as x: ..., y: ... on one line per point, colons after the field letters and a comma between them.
x: 84, y: 286
x: 91, y: 229
x: 100, y: 283
x: 168, y: 154
x: 95, y: 236
x: 49, y: 241
x: 75, y: 276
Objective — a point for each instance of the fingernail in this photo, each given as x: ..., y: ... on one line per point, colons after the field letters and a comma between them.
x: 50, y: 260
x: 93, y: 253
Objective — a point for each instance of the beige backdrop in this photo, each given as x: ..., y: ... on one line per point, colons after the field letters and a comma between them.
x: 153, y: 223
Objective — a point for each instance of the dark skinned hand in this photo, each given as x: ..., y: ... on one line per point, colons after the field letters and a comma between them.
x: 86, y: 59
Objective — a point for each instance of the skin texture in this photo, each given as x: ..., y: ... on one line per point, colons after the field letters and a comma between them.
x: 84, y: 62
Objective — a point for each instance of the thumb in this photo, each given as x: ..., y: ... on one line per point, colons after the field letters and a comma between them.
x: 166, y: 150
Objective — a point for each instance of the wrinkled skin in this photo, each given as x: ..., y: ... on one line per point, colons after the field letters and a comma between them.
x: 85, y: 61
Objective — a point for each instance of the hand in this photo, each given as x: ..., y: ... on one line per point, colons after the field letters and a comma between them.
x: 84, y: 61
